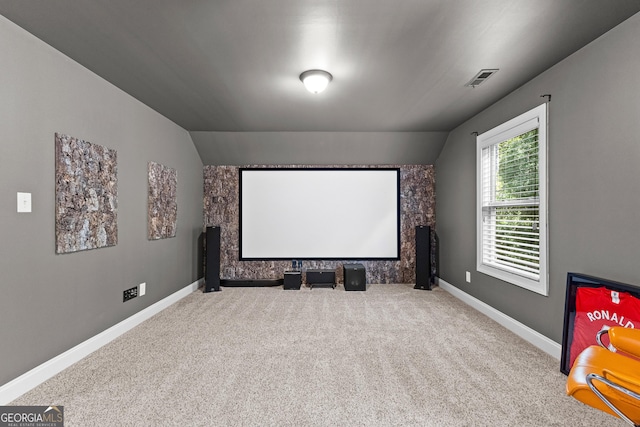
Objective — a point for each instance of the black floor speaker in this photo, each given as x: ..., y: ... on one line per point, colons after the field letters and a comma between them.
x: 292, y: 280
x: 212, y: 262
x: 355, y: 277
x: 423, y: 257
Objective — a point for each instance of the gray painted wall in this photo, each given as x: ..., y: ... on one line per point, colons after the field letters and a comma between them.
x: 318, y: 148
x: 50, y: 303
x: 594, y: 179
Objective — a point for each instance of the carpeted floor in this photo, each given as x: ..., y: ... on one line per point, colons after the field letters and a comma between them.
x: 389, y: 356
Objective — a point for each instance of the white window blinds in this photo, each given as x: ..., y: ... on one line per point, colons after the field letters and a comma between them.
x: 511, y: 201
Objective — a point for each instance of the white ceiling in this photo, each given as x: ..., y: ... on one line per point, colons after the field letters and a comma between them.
x: 397, y: 65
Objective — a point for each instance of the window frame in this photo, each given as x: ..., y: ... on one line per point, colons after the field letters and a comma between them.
x: 535, y: 118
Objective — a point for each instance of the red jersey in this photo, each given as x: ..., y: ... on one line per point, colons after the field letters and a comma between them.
x: 597, y: 308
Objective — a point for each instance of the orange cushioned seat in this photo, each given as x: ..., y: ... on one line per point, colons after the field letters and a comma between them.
x: 599, y: 376
x: 626, y: 340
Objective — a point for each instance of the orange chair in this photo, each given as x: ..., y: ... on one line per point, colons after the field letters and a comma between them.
x: 608, y: 377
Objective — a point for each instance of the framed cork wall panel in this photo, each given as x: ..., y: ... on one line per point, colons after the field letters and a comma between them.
x: 162, y: 202
x: 86, y: 195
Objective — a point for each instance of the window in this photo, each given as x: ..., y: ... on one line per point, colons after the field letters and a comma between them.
x: 512, y: 211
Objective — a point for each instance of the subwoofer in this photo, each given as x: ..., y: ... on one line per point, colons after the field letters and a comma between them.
x: 212, y: 263
x: 423, y: 257
x: 355, y: 277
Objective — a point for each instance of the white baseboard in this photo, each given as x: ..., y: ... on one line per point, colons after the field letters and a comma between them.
x: 542, y: 342
x: 25, y: 382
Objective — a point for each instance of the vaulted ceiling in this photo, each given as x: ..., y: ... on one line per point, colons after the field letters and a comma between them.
x: 397, y: 66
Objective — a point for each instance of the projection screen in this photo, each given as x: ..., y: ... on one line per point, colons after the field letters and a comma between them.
x: 323, y: 214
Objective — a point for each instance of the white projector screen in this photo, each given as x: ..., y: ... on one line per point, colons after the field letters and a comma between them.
x: 319, y: 214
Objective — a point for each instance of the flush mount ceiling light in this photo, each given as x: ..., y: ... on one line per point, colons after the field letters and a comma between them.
x: 315, y: 80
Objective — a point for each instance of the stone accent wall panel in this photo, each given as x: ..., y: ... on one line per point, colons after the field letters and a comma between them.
x: 86, y: 195
x: 221, y: 208
x: 162, y: 202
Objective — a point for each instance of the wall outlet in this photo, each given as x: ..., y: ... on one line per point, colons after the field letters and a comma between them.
x: 142, y: 287
x: 130, y: 294
x: 468, y: 276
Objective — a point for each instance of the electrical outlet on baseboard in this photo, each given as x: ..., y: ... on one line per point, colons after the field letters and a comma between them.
x: 468, y: 276
x: 142, y: 288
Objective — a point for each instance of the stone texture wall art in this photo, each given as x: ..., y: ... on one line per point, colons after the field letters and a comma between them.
x: 86, y: 195
x: 162, y: 202
x: 221, y: 208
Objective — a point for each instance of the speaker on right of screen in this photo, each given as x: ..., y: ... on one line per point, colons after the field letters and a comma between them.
x: 423, y: 257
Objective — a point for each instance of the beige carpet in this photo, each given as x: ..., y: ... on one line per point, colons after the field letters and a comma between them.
x: 390, y: 356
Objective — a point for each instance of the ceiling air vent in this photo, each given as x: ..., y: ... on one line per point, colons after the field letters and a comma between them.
x: 481, y: 77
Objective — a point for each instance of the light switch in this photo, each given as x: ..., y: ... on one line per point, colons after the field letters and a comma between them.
x: 24, y: 202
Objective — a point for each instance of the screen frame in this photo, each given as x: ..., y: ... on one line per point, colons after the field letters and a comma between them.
x: 321, y: 169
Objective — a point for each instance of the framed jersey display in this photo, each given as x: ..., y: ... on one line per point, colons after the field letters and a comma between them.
x: 592, y: 304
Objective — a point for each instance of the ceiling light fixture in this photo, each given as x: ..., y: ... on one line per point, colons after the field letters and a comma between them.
x: 315, y: 80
